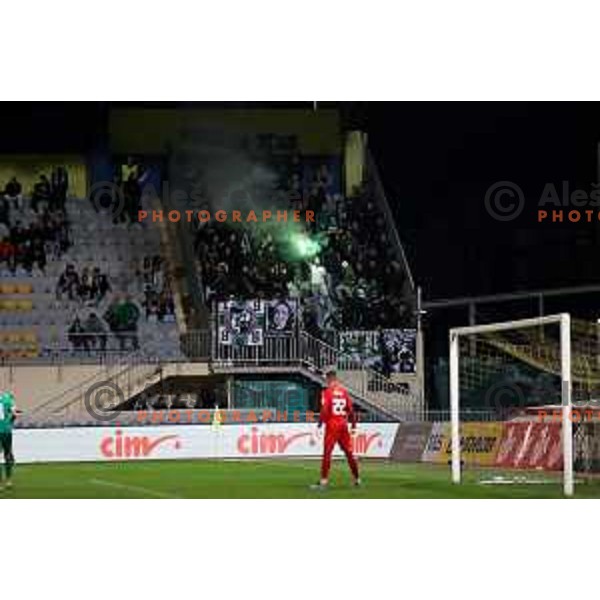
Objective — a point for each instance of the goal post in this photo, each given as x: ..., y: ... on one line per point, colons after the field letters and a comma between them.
x: 507, y: 338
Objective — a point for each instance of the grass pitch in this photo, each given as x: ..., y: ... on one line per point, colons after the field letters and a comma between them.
x: 268, y: 479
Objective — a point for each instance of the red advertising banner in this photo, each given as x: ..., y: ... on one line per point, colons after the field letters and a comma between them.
x: 544, y: 450
x: 531, y: 446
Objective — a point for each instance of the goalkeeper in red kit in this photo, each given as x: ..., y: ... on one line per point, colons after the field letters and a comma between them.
x: 336, y: 411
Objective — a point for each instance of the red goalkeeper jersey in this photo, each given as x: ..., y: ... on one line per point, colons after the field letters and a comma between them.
x: 336, y: 406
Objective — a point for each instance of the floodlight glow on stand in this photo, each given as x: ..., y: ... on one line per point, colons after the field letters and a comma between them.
x: 564, y: 322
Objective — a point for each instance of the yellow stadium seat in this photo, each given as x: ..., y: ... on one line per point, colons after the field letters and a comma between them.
x: 9, y: 304
x: 9, y: 288
x: 24, y: 288
x: 25, y: 305
x: 30, y: 337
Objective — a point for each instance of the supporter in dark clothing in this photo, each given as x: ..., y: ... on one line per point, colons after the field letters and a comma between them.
x: 38, y: 254
x: 95, y: 283
x: 85, y: 285
x: 42, y: 192
x: 103, y: 287
x: 14, y: 193
x: 18, y: 234
x: 59, y: 188
x: 95, y: 327
x: 132, y: 196
x: 4, y: 211
x: 76, y: 335
x: 68, y: 283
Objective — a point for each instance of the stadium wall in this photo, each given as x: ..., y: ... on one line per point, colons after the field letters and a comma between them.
x: 34, y: 385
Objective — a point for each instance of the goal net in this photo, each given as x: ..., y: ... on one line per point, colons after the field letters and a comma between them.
x: 527, y: 376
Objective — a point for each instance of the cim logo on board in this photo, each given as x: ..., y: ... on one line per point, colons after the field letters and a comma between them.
x: 121, y: 445
x: 257, y: 443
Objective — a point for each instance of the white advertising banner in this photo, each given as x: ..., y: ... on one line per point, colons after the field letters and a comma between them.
x: 190, y: 441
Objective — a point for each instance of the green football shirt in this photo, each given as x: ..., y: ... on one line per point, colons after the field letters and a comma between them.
x: 7, y: 404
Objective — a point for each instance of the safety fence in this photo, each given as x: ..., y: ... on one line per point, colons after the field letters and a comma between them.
x: 129, y: 372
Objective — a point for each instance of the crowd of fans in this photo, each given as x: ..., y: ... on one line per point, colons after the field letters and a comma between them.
x: 48, y: 192
x: 152, y: 300
x: 90, y: 286
x: 365, y: 275
x: 119, y: 323
x: 354, y: 281
x: 152, y: 280
x: 29, y: 238
x: 34, y: 229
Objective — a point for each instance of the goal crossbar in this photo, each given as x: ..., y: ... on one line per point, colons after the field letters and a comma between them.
x: 564, y: 321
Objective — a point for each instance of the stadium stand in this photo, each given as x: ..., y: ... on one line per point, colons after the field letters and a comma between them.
x: 355, y: 282
x: 89, y: 288
x: 76, y: 284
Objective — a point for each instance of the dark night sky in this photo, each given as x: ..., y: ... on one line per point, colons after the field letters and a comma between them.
x: 437, y: 160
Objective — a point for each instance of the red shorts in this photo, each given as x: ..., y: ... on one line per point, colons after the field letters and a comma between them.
x: 336, y: 432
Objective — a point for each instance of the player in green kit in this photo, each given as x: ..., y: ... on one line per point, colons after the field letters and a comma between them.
x: 8, y: 414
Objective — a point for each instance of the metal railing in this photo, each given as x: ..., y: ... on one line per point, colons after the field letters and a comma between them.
x: 122, y: 378
x: 112, y: 349
x: 372, y: 387
x: 278, y: 350
x: 196, y: 344
x: 307, y: 352
x: 466, y: 415
x: 133, y: 371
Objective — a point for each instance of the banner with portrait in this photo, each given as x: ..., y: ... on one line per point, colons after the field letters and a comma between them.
x: 241, y: 322
x: 282, y: 317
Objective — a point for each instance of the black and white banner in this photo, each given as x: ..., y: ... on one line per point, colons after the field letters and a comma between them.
x: 388, y: 351
x: 241, y: 323
x: 282, y: 317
